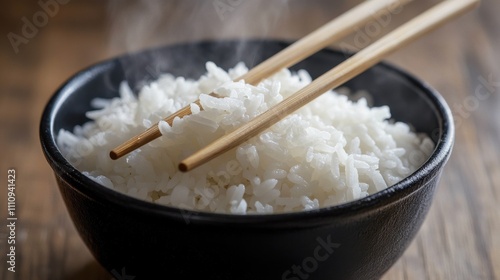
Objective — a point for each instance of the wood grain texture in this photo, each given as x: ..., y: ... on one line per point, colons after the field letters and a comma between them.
x: 460, y: 238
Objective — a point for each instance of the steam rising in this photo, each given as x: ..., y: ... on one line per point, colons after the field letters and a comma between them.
x: 136, y: 25
x: 139, y: 24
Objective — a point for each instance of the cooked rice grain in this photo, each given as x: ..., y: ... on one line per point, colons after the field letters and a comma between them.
x: 329, y: 152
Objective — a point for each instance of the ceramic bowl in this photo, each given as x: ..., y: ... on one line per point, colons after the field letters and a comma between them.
x: 355, y: 240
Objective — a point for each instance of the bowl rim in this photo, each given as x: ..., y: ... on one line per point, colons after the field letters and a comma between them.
x: 91, y: 189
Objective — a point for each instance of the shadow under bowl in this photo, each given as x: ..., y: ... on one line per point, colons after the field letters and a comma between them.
x: 355, y: 240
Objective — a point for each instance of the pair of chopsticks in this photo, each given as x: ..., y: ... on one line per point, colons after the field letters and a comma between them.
x: 322, y: 37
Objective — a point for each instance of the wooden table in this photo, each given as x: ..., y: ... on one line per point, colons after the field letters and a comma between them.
x: 460, y: 238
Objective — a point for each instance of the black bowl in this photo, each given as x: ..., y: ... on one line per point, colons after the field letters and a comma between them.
x: 356, y: 240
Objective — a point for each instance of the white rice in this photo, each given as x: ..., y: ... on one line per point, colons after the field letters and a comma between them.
x: 329, y: 152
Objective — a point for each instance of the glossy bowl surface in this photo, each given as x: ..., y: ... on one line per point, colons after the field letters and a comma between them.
x: 356, y: 240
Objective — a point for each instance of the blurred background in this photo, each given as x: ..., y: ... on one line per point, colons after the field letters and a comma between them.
x: 45, y: 42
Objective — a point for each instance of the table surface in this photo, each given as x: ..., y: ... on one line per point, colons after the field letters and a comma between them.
x: 460, y: 238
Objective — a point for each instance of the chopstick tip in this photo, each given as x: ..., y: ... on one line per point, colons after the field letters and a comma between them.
x: 114, y: 155
x: 183, y: 167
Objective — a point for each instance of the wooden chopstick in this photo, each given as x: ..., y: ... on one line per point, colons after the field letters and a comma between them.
x: 329, y: 33
x: 340, y: 74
